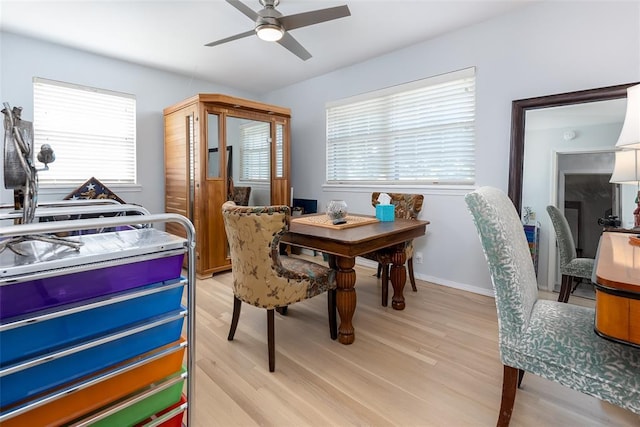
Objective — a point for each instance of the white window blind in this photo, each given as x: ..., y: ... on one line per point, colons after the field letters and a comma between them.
x: 421, y: 132
x: 255, y: 138
x: 92, y: 132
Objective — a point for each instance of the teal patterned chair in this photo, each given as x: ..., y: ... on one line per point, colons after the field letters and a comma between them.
x: 572, y: 268
x: 406, y: 206
x: 264, y: 278
x: 553, y: 340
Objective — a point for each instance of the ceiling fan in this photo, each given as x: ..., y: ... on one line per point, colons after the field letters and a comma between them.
x: 271, y: 25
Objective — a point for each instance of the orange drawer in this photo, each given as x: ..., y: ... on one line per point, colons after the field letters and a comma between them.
x: 81, y: 402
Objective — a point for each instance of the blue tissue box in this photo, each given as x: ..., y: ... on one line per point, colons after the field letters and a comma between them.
x: 385, y: 212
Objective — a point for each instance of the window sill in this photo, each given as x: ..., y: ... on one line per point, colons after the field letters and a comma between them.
x: 453, y: 190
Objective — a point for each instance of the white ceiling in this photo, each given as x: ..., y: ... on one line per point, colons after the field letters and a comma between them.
x: 171, y: 35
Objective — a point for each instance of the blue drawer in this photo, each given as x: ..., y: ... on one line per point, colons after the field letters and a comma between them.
x: 45, y: 332
x: 29, y: 378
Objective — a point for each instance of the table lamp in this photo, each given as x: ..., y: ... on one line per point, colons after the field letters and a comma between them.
x: 626, y: 169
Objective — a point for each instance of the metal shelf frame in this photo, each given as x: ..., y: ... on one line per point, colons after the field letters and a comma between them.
x: 21, y: 230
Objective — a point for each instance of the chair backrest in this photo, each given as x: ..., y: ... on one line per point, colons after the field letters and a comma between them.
x: 505, y: 246
x: 407, y: 206
x: 254, y: 235
x: 240, y: 195
x: 566, y: 245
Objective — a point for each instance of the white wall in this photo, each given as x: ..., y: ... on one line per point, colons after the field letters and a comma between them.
x: 23, y: 58
x: 543, y: 49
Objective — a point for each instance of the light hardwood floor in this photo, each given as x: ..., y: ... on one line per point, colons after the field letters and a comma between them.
x: 434, y: 364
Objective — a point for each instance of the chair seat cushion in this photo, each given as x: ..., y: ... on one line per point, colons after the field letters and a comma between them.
x: 320, y: 278
x: 579, y: 267
x: 559, y: 343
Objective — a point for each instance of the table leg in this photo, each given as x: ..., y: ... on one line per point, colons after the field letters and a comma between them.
x: 398, y: 277
x: 345, y: 296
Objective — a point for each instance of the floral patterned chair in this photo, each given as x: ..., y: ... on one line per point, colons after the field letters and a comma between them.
x: 241, y: 195
x: 407, y: 206
x: 572, y: 268
x: 553, y: 340
x: 264, y: 278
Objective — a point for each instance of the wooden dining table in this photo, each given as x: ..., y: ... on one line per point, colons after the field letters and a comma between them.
x: 343, y: 245
x: 616, y: 278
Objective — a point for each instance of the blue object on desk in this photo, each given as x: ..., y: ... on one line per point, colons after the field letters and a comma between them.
x: 385, y: 212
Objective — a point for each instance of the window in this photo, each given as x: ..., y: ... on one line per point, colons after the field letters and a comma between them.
x: 92, y: 132
x: 417, y: 133
x: 255, y: 143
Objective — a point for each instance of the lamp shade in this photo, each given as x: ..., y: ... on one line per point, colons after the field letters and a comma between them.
x: 630, y: 134
x: 626, y: 169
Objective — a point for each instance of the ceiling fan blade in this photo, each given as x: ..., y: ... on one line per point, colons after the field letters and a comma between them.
x: 292, y: 45
x: 236, y: 37
x: 304, y: 19
x: 253, y: 15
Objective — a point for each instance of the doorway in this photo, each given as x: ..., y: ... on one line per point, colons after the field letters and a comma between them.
x: 587, y: 197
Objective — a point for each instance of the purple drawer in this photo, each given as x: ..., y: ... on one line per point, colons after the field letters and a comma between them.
x: 44, y: 293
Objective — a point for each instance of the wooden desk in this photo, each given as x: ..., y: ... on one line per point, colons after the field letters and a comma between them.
x: 345, y: 245
x: 616, y: 278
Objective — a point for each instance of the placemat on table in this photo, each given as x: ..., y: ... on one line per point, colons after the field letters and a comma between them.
x: 322, y: 220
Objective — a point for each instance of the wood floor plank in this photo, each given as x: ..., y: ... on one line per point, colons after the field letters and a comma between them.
x: 436, y: 363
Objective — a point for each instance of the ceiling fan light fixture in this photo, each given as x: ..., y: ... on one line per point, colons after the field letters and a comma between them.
x: 269, y: 32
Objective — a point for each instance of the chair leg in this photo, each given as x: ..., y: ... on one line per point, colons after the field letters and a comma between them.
x: 237, y: 305
x: 385, y: 285
x: 379, y: 270
x: 576, y: 283
x: 565, y: 288
x: 411, y: 276
x: 333, y: 321
x: 271, y: 345
x: 509, y: 388
x: 520, y: 376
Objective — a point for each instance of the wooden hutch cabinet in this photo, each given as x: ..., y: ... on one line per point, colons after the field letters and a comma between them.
x: 213, y: 143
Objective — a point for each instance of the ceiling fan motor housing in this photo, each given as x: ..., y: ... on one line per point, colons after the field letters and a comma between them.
x: 268, y: 20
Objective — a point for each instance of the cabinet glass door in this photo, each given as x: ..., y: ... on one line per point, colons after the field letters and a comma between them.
x: 251, y: 168
x: 213, y: 156
x: 279, y: 149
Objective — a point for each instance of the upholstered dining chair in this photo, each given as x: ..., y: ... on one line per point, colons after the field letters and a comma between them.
x: 551, y: 339
x: 241, y: 195
x: 264, y: 278
x: 572, y: 268
x: 406, y: 206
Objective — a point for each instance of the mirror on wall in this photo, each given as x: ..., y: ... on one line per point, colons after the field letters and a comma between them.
x: 251, y: 142
x: 562, y: 154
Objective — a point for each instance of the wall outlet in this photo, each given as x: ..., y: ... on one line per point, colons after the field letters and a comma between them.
x: 417, y: 257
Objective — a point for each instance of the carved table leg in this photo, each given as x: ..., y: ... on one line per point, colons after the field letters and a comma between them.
x: 398, y: 277
x: 345, y: 296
